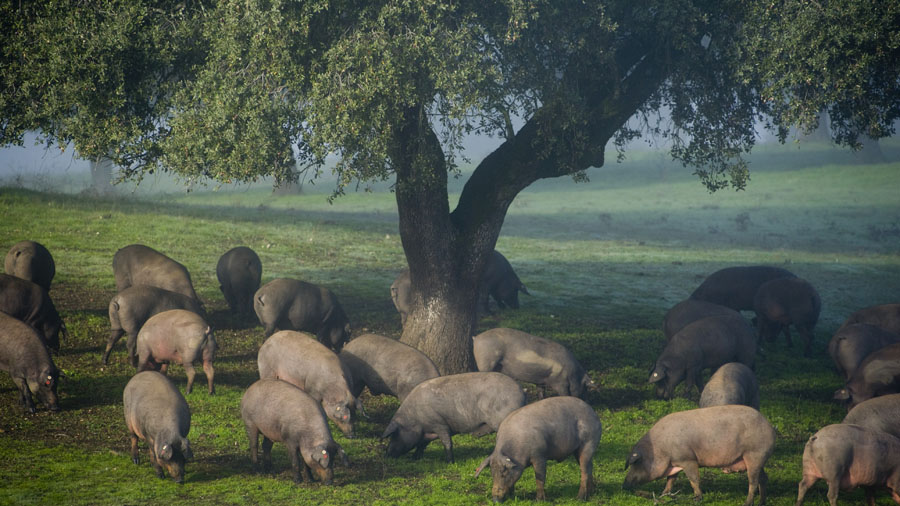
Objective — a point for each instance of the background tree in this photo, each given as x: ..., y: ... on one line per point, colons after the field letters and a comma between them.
x: 236, y: 90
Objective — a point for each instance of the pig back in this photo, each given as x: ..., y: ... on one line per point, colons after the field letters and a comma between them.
x: 852, y: 343
x: 885, y: 316
x: 851, y: 454
x: 280, y: 409
x: 141, y: 265
x: 732, y: 383
x: 735, y: 287
x: 560, y: 425
x: 878, y: 374
x: 529, y: 358
x: 22, y: 351
x: 720, y: 339
x: 176, y: 330
x: 298, y: 358
x: 30, y: 303
x: 133, y: 306
x: 153, y: 405
x: 385, y: 365
x: 879, y: 414
x: 689, y: 311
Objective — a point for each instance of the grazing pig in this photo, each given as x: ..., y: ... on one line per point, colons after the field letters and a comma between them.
x: 299, y: 359
x: 24, y: 356
x: 852, y: 343
x: 130, y: 308
x: 532, y: 359
x: 27, y: 301
x: 500, y: 282
x: 401, y: 295
x: 878, y: 414
x: 288, y: 304
x: 731, y: 438
x: 735, y: 287
x: 178, y: 336
x: 283, y: 413
x: 733, y: 383
x: 847, y: 456
x: 239, y: 272
x: 385, y: 365
x: 878, y: 374
x: 438, y: 408
x: 141, y: 265
x: 689, y: 311
x: 787, y: 301
x: 32, y: 261
x: 886, y: 316
x: 704, y: 344
x: 156, y: 412
x: 531, y: 435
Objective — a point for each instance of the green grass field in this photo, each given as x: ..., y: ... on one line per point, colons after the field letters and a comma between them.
x: 603, y: 262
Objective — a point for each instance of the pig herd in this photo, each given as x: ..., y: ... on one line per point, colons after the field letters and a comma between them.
x: 311, y: 371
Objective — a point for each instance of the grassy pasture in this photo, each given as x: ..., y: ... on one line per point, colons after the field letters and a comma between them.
x: 603, y: 262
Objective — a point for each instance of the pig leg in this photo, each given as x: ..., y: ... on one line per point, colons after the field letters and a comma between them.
x: 267, y: 454
x: 448, y: 444
x: 834, y: 486
x: 805, y: 483
x: 190, y: 372
x: 586, y: 464
x: 135, y: 454
x: 420, y: 449
x: 786, y: 330
x: 114, y: 336
x: 670, y: 482
x: 253, y: 436
x: 210, y: 372
x: 163, y: 367
x: 540, y: 476
x: 24, y: 394
x: 692, y: 471
x: 131, y: 346
x: 756, y: 479
x: 155, y: 460
x: 294, y: 452
x: 870, y: 496
x: 807, y: 334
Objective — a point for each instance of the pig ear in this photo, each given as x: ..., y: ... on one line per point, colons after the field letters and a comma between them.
x: 320, y: 455
x: 523, y: 288
x: 842, y: 394
x: 658, y: 374
x: 391, y: 428
x: 164, y: 452
x: 634, y: 458
x: 186, y: 450
x: 484, y: 463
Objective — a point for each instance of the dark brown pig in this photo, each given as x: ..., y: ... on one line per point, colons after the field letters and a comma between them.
x: 735, y: 287
x: 704, y: 344
x: 851, y: 344
x: 239, y: 272
x: 133, y: 306
x: 178, y: 336
x: 733, y: 383
x: 141, y: 265
x: 156, y: 412
x: 283, y: 413
x: 288, y: 304
x: 849, y: 456
x: 878, y: 374
x: 878, y: 414
x: 32, y: 261
x: 438, y: 408
x: 27, y: 301
x: 689, y: 311
x: 550, y: 429
x: 783, y: 302
x: 886, y: 316
x: 532, y: 359
x: 501, y: 283
x: 26, y: 359
x: 385, y: 365
x: 731, y: 438
x: 299, y: 359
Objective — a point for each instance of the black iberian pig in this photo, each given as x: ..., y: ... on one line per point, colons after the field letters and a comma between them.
x: 438, y: 408
x: 178, y: 336
x: 239, y: 272
x: 550, y: 429
x: 283, y: 413
x: 156, y: 412
x: 288, y: 304
x: 731, y: 438
x: 848, y: 456
x: 735, y: 287
x: 299, y: 359
x: 385, y: 365
x: 142, y: 265
x: 852, y: 343
x: 732, y: 383
x: 886, y: 316
x: 878, y: 414
x: 532, y: 359
x: 32, y: 261
x: 878, y: 374
x: 133, y: 306
x: 783, y: 302
x: 26, y: 359
x: 501, y: 283
x: 689, y: 311
x: 28, y: 302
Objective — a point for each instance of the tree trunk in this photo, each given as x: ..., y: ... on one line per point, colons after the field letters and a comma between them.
x: 101, y: 175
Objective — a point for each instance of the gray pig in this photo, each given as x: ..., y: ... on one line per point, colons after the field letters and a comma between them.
x: 27, y: 301
x: 532, y: 359
x: 704, y: 344
x: 851, y: 344
x: 297, y: 358
x: 32, y: 261
x: 239, y: 272
x: 141, y: 265
x: 156, y: 412
x: 847, y: 456
x: 732, y: 383
x: 385, y: 365
x: 130, y: 308
x: 26, y: 359
x: 886, y: 316
x: 878, y: 374
x: 689, y: 311
x: 500, y: 282
x: 473, y: 402
x: 178, y: 336
x: 787, y: 301
x: 878, y: 414
x: 735, y: 287
x: 401, y: 295
x: 283, y: 413
x: 550, y: 429
x: 732, y: 438
x: 288, y: 304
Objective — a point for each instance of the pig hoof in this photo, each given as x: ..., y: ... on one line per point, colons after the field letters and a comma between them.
x: 136, y: 460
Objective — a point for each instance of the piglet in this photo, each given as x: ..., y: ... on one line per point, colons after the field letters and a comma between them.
x: 847, y: 456
x: 373, y: 362
x: 731, y: 438
x: 178, y: 336
x: 156, y: 412
x: 733, y: 383
x: 550, y: 429
x: 24, y: 357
